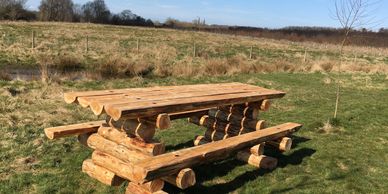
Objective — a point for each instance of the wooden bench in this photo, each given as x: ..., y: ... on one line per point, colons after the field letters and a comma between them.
x: 124, y: 143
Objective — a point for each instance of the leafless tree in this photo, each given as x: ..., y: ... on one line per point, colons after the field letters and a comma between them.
x: 96, y: 11
x: 56, y: 10
x: 351, y: 14
x: 12, y: 9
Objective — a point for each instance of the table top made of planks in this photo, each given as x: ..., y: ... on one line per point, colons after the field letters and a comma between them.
x: 149, y: 102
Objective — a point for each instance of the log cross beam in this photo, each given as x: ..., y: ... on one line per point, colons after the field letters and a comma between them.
x: 170, y: 163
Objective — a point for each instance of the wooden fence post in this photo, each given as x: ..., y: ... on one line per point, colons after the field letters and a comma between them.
x: 194, y: 50
x: 3, y: 37
x: 138, y: 46
x: 355, y: 58
x: 87, y: 44
x: 33, y: 39
x: 250, y: 52
x: 305, y: 56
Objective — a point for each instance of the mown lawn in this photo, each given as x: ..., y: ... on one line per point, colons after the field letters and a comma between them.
x: 349, y: 157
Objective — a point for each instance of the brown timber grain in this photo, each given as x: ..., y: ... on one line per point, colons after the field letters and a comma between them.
x: 152, y: 148
x: 261, y: 161
x: 70, y: 130
x: 173, y: 162
x: 101, y: 174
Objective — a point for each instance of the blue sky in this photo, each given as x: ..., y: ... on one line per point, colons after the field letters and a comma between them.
x: 258, y: 13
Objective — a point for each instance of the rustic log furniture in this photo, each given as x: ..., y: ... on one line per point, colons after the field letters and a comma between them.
x: 125, y: 149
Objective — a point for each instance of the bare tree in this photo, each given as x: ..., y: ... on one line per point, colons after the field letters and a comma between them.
x: 56, y: 10
x: 12, y: 9
x: 350, y: 14
x: 96, y: 12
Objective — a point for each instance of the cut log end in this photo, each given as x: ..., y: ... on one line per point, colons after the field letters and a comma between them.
x: 265, y: 105
x: 70, y: 98
x: 285, y: 144
x: 114, y: 112
x: 257, y: 150
x: 203, y: 120
x: 163, y: 121
x: 97, y: 108
x: 83, y: 102
x: 49, y: 134
x: 183, y: 180
x: 145, y: 132
x: 261, y: 124
x: 200, y: 140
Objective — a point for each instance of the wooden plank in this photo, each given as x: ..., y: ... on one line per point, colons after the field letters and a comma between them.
x: 150, y: 108
x: 157, y: 94
x: 71, y: 97
x: 70, y: 130
x: 85, y: 101
x: 170, y: 163
x: 98, y: 105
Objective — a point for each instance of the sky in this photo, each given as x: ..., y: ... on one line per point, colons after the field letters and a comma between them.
x: 256, y: 13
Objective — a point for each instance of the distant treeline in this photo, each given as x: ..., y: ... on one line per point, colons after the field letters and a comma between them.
x: 360, y: 37
x: 96, y: 11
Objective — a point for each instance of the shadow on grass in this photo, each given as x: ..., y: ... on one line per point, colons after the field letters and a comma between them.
x: 187, y: 144
x: 296, y: 140
x: 211, y: 171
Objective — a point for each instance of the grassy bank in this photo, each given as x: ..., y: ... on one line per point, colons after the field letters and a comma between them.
x: 349, y: 157
x: 116, y: 51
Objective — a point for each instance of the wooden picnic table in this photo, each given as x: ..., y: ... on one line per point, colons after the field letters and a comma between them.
x: 148, y: 102
x: 124, y: 144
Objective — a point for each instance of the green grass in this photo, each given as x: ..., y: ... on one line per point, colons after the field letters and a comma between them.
x: 350, y: 157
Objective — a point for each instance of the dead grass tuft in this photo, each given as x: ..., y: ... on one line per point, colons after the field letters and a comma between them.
x: 216, y: 66
x: 326, y: 128
x: 5, y: 76
x: 116, y: 67
x: 68, y: 63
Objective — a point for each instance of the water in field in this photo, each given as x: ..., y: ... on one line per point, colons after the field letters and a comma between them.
x: 21, y: 74
x: 33, y: 74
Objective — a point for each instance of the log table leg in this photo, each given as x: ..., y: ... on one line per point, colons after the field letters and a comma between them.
x: 152, y: 147
x: 133, y: 128
x: 264, y: 162
x: 101, y: 174
x: 284, y: 144
x: 183, y: 180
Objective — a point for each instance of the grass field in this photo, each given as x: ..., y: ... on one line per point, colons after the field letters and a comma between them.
x: 348, y: 157
x: 112, y: 52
